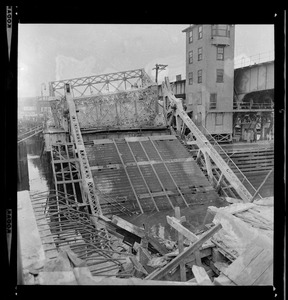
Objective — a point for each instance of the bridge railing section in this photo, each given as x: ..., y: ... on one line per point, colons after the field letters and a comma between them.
x: 245, y: 61
x: 229, y: 161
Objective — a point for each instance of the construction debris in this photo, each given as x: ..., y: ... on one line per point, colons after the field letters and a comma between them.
x: 188, y: 251
x: 201, y: 276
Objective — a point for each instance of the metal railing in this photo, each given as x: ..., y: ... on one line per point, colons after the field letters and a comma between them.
x: 229, y: 161
x: 245, y: 61
x: 248, y: 105
x: 26, y: 135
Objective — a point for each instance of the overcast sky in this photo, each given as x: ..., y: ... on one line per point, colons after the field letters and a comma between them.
x: 54, y: 52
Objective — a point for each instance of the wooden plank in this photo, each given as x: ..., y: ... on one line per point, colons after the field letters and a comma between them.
x: 57, y: 278
x: 201, y: 276
x: 198, y: 258
x: 180, y: 245
x: 155, y: 194
x: 163, y: 137
x: 102, y: 141
x: 188, y: 251
x: 181, y: 229
x: 223, y: 280
x: 255, y: 269
x: 232, y: 209
x: 128, y: 226
x: 139, y: 268
x: 203, y: 253
x: 225, y: 251
x: 266, y: 278
x: 154, y: 162
x: 242, y: 261
x: 144, y: 258
x: 159, y: 247
x: 136, y: 138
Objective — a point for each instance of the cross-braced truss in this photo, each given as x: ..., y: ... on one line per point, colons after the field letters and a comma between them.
x: 220, y: 167
x: 101, y: 84
x: 67, y: 180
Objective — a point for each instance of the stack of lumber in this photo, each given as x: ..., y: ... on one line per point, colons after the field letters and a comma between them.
x: 243, y: 222
x: 246, y: 238
x: 253, y: 267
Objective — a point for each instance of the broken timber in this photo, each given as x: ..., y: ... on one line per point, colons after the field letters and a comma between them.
x: 139, y: 232
x: 180, y: 245
x: 201, y: 276
x: 180, y: 228
x: 188, y: 251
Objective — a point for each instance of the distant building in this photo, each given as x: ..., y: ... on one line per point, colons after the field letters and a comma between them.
x: 27, y: 107
x: 210, y: 77
x: 32, y: 107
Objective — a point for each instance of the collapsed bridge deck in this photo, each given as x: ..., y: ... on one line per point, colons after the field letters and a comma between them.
x: 147, y: 173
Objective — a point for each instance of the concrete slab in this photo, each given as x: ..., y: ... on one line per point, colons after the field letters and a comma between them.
x: 31, y: 247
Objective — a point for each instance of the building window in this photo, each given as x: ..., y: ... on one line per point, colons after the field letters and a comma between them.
x: 221, y: 30
x: 219, y: 119
x: 220, y: 75
x: 190, y: 57
x: 190, y: 76
x: 213, y: 101
x: 220, y: 53
x: 200, y: 32
x: 190, y: 37
x: 199, y: 73
x: 199, y: 53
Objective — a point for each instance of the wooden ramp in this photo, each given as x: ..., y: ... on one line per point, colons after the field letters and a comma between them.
x: 147, y: 173
x: 253, y: 267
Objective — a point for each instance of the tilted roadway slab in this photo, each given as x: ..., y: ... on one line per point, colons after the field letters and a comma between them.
x: 147, y: 173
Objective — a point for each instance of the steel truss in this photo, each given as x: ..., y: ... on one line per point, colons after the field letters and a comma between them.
x: 67, y: 179
x: 99, y: 84
x: 65, y: 166
x: 221, y: 170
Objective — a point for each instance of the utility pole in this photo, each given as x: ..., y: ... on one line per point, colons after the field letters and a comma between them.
x: 159, y: 68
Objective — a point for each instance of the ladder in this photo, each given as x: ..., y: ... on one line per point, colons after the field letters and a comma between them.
x: 88, y: 183
x: 204, y: 144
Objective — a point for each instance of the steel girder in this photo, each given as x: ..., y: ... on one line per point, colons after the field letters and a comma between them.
x: 101, y: 84
x: 174, y: 105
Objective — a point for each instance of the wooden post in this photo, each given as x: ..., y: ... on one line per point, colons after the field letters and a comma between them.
x: 180, y: 246
x: 187, y: 252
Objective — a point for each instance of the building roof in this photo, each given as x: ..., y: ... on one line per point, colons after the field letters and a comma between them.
x: 188, y: 28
